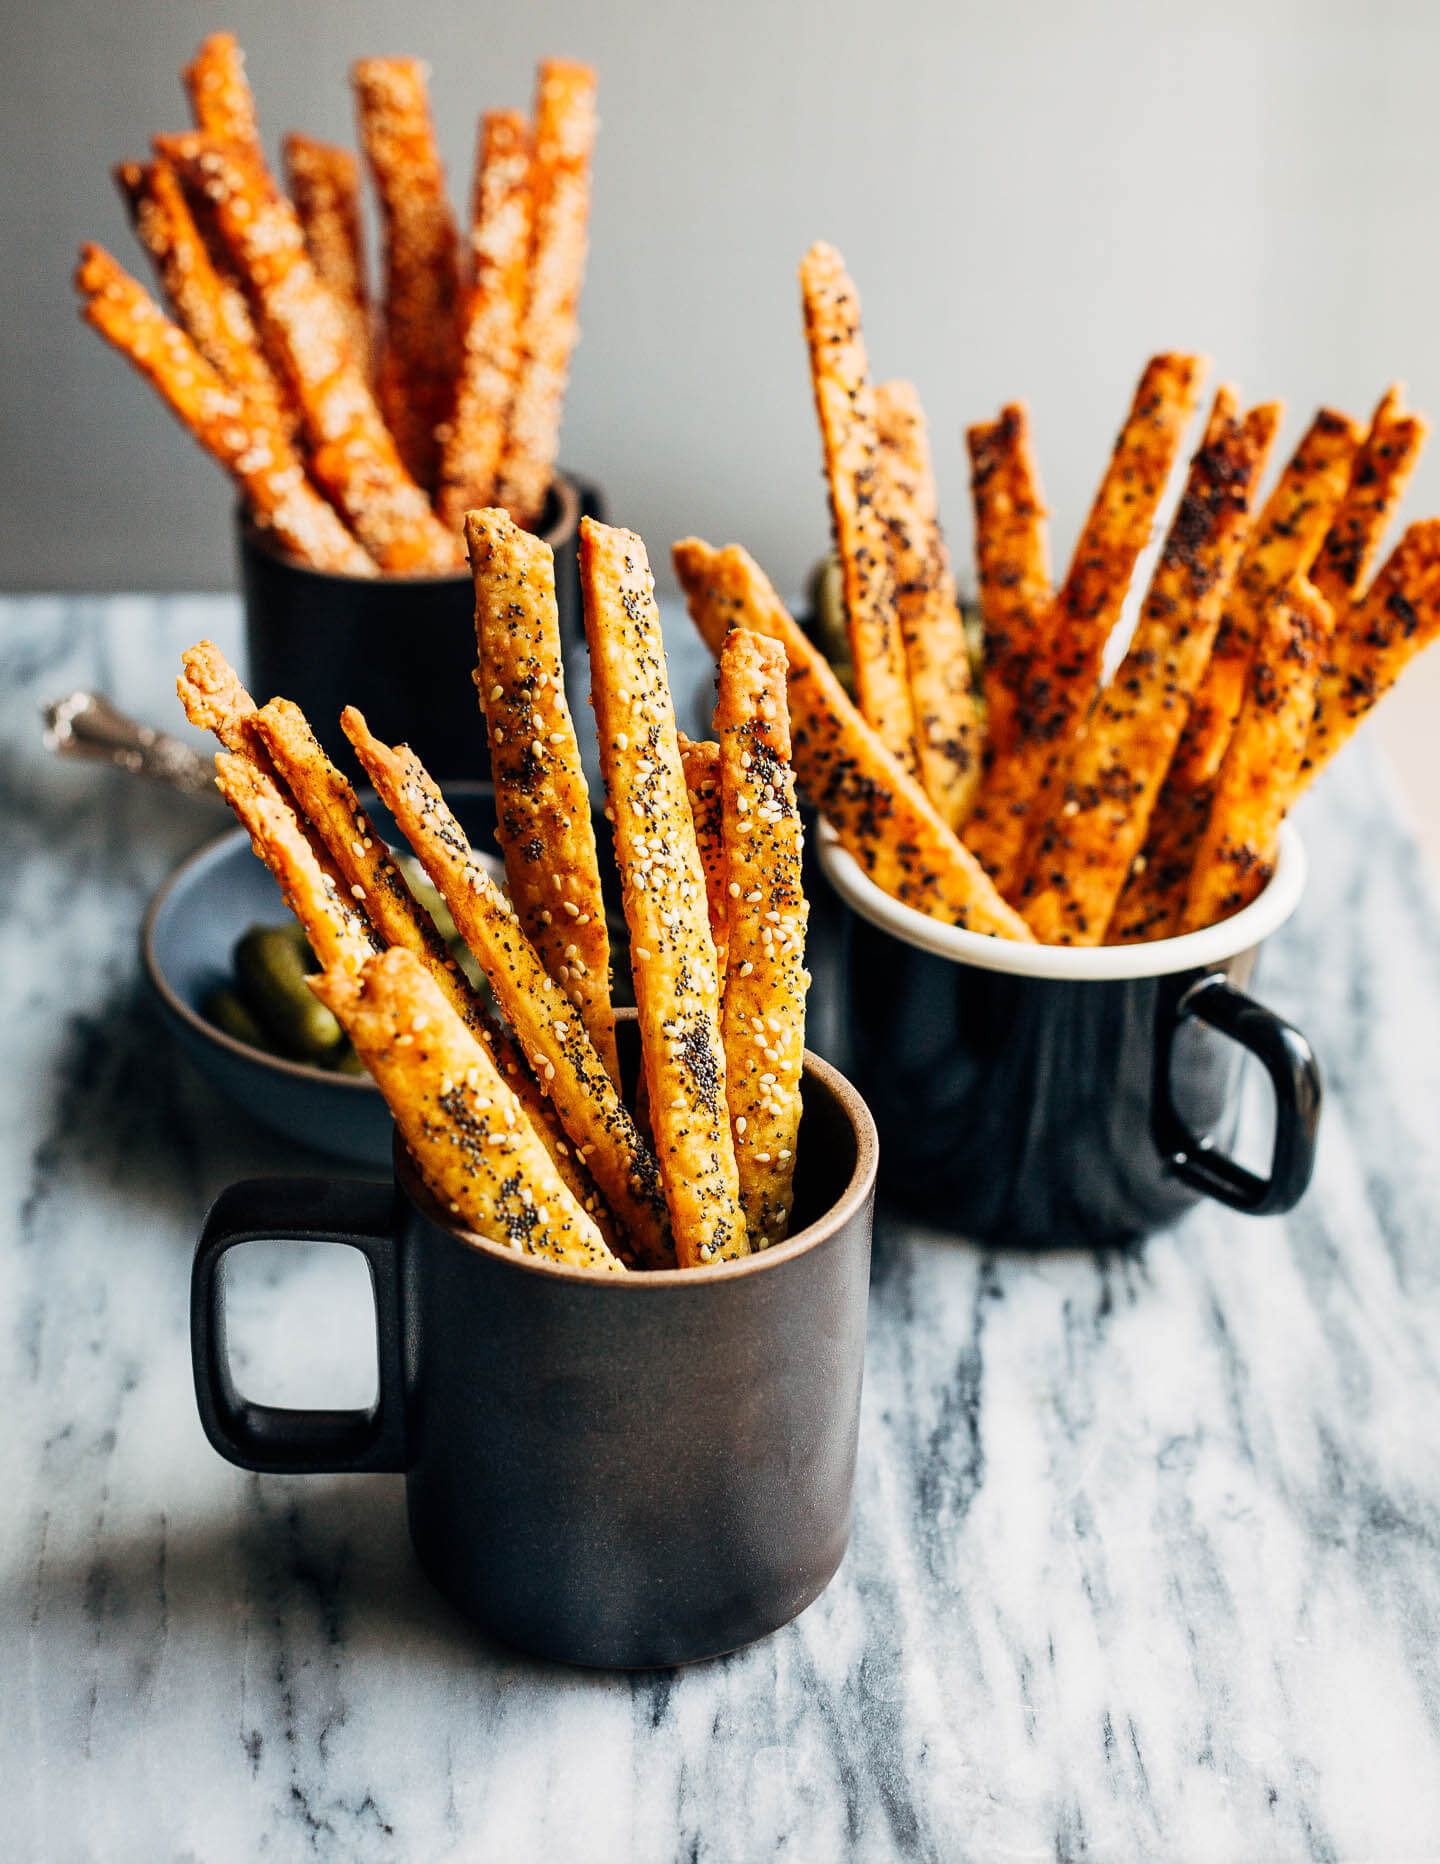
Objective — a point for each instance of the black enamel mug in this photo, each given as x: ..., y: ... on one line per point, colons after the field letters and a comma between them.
x: 401, y: 648
x: 620, y: 1471
x: 1043, y: 1095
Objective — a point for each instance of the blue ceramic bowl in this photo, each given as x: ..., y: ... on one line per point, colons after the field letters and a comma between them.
x: 189, y: 934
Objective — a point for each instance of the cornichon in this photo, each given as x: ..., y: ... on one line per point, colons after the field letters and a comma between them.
x: 271, y: 963
x: 228, y: 1011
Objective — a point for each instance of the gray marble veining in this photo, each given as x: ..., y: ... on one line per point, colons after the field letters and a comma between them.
x: 1147, y: 1551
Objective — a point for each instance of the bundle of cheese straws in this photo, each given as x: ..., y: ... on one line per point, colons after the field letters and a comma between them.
x: 1052, y: 803
x: 520, y: 1128
x: 359, y: 442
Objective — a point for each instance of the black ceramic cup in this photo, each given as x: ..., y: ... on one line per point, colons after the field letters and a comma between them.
x: 621, y: 1471
x: 401, y: 648
x: 1041, y: 1095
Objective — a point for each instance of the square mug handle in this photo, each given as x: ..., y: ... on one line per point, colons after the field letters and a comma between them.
x: 1294, y: 1074
x: 273, y: 1439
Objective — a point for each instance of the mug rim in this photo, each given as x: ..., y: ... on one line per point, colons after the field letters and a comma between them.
x: 1187, y: 951
x: 558, y: 532
x: 857, y: 1192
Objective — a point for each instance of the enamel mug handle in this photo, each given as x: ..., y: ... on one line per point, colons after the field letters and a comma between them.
x: 1295, y: 1076
x: 270, y: 1438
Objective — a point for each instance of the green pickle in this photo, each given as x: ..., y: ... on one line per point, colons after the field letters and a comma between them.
x: 271, y: 963
x: 229, y: 1012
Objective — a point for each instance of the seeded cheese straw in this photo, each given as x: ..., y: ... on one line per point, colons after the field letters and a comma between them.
x: 845, y: 406
x: 542, y: 803
x: 255, y: 454
x: 490, y: 327
x: 880, y: 813
x: 209, y: 306
x: 1258, y: 777
x: 352, y: 454
x: 324, y: 183
x: 1286, y: 537
x: 937, y: 658
x: 464, y: 1127
x: 1015, y: 792
x: 549, y: 1031
x: 221, y: 100
x: 1012, y: 565
x: 1109, y: 786
x: 564, y: 143
x: 763, y: 1018
x: 338, y: 934
x: 1283, y: 544
x: 701, y: 764
x: 1389, y: 455
x: 671, y: 954
x: 326, y: 798
x: 1375, y: 641
x: 420, y: 316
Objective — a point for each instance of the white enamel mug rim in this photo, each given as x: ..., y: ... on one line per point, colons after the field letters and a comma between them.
x: 1190, y: 951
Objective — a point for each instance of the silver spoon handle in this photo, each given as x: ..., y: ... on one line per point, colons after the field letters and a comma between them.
x: 85, y: 725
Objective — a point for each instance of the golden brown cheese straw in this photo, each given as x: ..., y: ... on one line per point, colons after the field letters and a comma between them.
x: 1015, y: 791
x: 1286, y: 537
x: 463, y: 1125
x: 323, y: 182
x: 672, y: 958
x: 765, y: 982
x: 1109, y: 786
x: 545, y: 829
x: 255, y: 454
x: 937, y: 658
x: 221, y: 100
x: 1282, y: 545
x: 701, y: 764
x: 490, y: 334
x: 420, y: 317
x: 550, y: 1033
x: 1257, y: 780
x: 216, y: 701
x: 1012, y: 563
x: 1389, y: 455
x: 208, y: 305
x: 881, y: 814
x: 352, y: 455
x: 325, y: 797
x: 845, y: 406
x: 338, y: 934
x: 1375, y: 640
x: 564, y: 143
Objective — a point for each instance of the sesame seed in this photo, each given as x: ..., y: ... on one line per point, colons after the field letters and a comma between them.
x: 734, y: 889
x: 622, y: 743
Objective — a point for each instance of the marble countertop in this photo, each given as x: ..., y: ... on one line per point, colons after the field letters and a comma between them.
x: 1147, y: 1551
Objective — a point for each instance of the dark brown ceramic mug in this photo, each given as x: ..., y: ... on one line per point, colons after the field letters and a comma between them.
x: 611, y: 1470
x: 401, y: 648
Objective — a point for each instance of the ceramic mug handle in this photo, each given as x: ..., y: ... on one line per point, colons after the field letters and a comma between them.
x: 270, y: 1438
x: 1295, y: 1076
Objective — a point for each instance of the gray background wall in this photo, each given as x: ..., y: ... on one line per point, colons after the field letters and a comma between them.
x: 1032, y: 197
